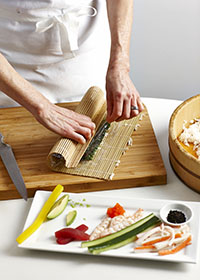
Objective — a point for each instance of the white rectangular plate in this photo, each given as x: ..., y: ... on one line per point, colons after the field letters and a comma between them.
x: 91, y: 213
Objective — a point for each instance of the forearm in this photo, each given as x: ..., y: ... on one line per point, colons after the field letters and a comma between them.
x: 123, y: 99
x: 20, y: 90
x: 120, y: 16
x: 57, y: 119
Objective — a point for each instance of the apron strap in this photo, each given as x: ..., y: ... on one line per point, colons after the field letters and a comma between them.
x: 68, y: 24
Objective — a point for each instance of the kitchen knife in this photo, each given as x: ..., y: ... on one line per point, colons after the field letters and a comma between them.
x: 10, y: 163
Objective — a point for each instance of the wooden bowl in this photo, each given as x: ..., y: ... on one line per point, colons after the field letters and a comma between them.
x: 186, y: 166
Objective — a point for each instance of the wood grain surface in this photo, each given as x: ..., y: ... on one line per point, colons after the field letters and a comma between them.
x: 141, y: 165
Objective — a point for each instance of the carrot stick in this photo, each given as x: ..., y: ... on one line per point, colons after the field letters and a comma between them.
x: 176, y: 249
x: 177, y: 235
x: 156, y: 240
x: 145, y: 247
x: 160, y: 239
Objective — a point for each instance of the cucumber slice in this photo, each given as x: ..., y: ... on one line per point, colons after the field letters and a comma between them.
x: 125, y: 238
x: 100, y: 249
x: 58, y: 207
x: 71, y: 217
x: 115, y: 240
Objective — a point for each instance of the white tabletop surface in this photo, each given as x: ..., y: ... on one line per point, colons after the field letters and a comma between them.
x: 18, y: 263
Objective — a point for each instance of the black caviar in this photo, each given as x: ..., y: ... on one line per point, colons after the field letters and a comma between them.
x: 176, y: 217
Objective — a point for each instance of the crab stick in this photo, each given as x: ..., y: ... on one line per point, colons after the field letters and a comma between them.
x: 175, y: 249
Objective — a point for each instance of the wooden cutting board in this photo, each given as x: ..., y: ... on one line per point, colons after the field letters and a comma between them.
x: 141, y: 165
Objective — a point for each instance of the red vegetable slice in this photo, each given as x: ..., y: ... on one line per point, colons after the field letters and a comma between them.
x: 66, y: 232
x: 67, y: 235
x: 72, y: 233
x: 64, y: 241
x: 82, y: 227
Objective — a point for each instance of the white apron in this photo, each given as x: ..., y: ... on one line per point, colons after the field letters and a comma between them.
x: 60, y: 46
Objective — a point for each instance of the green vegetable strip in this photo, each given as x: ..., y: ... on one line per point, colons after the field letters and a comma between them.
x: 96, y: 141
x: 125, y: 238
x: 118, y: 233
x: 96, y: 251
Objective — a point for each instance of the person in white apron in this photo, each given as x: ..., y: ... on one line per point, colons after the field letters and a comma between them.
x: 54, y: 50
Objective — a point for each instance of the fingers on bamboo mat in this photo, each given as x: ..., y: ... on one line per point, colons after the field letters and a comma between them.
x: 68, y: 153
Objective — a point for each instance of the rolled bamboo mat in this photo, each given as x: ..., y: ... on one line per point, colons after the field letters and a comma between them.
x: 67, y: 152
x: 66, y: 155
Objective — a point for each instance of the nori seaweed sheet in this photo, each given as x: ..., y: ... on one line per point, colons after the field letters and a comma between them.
x: 96, y: 141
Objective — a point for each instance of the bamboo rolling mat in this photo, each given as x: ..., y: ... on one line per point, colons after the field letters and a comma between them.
x: 66, y: 155
x: 93, y: 105
x: 141, y: 165
x: 108, y: 155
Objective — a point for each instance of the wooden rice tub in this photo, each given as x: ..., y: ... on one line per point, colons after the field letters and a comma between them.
x: 186, y: 166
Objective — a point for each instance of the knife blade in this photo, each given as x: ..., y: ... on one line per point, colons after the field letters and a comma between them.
x: 10, y: 163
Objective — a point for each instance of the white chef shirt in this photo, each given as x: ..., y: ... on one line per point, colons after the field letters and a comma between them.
x: 61, y: 46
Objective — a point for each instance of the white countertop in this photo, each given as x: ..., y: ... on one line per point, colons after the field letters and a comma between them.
x: 18, y: 263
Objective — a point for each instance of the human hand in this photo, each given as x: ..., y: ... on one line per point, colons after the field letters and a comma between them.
x: 65, y: 122
x: 57, y: 119
x: 121, y: 95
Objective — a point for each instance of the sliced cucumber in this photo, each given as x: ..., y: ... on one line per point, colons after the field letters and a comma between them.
x: 122, y: 237
x: 58, y: 207
x: 71, y: 217
x: 116, y: 234
x: 103, y: 248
